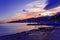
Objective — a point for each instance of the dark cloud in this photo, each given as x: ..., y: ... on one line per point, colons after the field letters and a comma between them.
x: 52, y: 4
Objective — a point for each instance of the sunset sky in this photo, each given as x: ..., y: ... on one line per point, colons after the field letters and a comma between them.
x: 9, y: 8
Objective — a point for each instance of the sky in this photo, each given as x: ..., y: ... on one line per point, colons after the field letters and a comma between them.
x: 9, y: 8
x: 52, y: 4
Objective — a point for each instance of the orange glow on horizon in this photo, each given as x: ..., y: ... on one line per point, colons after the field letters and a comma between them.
x: 26, y: 15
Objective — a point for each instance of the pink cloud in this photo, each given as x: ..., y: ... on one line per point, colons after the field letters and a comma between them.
x: 26, y: 15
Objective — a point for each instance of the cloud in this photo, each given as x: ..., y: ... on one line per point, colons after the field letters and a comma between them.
x: 36, y: 6
x: 33, y: 10
x: 38, y: 3
x: 52, y: 4
x: 26, y: 15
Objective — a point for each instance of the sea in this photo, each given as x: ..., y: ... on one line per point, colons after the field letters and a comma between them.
x: 12, y: 28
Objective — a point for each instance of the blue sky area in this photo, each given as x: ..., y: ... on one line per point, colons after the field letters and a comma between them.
x: 10, y: 7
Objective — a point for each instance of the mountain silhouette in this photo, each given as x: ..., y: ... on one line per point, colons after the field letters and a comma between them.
x: 56, y: 17
x: 38, y: 19
x: 54, y: 20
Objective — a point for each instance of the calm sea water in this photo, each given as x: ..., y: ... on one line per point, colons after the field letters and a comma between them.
x: 12, y: 28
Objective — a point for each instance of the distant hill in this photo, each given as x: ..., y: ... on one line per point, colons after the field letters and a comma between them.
x: 44, y: 19
x: 56, y: 17
x: 39, y: 19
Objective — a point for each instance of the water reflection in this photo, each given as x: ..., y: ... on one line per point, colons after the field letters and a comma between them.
x: 11, y: 28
